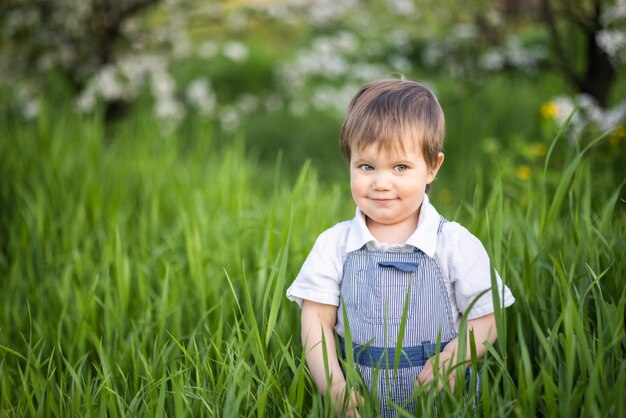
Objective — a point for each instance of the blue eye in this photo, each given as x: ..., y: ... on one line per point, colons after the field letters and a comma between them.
x: 401, y: 167
x: 366, y: 167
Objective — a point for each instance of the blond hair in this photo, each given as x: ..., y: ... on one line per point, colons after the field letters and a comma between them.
x: 387, y: 112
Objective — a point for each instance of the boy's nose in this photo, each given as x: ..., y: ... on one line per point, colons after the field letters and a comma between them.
x: 381, y: 182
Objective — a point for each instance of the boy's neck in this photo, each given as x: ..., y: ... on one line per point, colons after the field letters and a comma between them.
x: 393, y: 234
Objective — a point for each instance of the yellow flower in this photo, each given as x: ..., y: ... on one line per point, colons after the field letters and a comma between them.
x: 523, y: 172
x: 549, y: 110
x: 537, y: 149
x: 618, y: 134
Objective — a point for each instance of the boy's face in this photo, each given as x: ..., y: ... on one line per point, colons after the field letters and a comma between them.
x: 389, y: 186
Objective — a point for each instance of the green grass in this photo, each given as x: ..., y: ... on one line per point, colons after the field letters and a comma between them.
x: 143, y: 273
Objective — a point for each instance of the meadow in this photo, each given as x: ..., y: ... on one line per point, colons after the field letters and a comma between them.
x: 143, y: 270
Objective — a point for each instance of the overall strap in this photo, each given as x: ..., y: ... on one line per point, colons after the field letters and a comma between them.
x: 384, y: 357
x: 442, y: 222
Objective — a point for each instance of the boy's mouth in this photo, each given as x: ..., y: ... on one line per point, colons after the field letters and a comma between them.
x: 382, y: 201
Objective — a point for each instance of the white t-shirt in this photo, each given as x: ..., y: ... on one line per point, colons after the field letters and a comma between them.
x: 462, y: 259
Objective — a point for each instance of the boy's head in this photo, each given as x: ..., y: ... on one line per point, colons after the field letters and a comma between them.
x: 388, y: 112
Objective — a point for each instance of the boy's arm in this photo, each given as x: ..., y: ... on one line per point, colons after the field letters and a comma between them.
x: 484, y: 329
x: 317, y: 322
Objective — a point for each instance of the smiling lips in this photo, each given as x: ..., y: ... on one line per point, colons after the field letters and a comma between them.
x: 382, y: 201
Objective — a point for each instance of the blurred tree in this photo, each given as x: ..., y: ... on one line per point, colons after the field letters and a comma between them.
x: 579, y: 32
x: 74, y: 38
x: 112, y: 52
x: 586, y: 38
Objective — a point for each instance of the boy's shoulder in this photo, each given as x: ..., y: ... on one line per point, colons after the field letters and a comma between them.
x: 449, y: 227
x: 331, y: 244
x: 338, y: 232
x: 454, y: 237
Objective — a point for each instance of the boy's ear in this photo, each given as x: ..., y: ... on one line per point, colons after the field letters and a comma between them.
x: 432, y: 172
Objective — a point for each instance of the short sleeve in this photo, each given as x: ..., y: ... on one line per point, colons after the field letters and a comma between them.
x: 470, y: 272
x: 320, y: 276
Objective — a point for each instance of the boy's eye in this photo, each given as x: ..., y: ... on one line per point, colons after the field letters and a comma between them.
x: 366, y: 167
x: 400, y: 167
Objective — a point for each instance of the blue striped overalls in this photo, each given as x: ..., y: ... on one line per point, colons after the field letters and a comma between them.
x: 374, y: 288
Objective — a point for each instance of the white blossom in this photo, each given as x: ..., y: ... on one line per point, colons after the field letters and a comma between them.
x: 604, y: 119
x: 29, y: 102
x: 274, y: 102
x: 492, y: 60
x: 322, y: 98
x: 125, y: 79
x: 400, y: 63
x: 237, y: 21
x: 520, y: 56
x: 211, y: 10
x: 565, y: 106
x: 163, y: 84
x: 464, y: 32
x: 200, y: 95
x: 235, y: 51
x: 434, y: 53
x: 229, y: 118
x: 495, y: 18
x: 403, y: 7
x: 181, y: 44
x: 400, y: 39
x: 86, y: 100
x: 131, y: 25
x: 613, y: 13
x: 366, y: 72
x: 588, y: 112
x: 247, y: 103
x: 613, y: 42
x: 208, y: 49
x: 168, y: 108
x: 322, y: 11
x: 565, y: 109
x: 108, y: 84
x: 344, y: 41
x: 512, y: 53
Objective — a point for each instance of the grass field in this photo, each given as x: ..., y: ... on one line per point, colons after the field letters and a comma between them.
x: 143, y: 273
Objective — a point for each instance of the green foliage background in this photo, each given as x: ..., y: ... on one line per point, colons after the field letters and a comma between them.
x: 143, y: 263
x: 144, y: 273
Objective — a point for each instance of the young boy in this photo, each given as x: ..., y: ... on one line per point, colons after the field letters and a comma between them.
x: 398, y: 265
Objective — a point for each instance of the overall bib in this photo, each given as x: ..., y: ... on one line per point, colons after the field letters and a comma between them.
x: 374, y: 289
